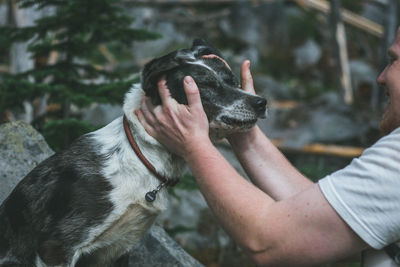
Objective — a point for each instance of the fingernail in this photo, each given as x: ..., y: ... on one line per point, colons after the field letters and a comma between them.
x: 188, y: 80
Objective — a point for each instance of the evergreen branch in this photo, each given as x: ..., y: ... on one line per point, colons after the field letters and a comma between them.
x: 13, y: 92
x: 74, y: 32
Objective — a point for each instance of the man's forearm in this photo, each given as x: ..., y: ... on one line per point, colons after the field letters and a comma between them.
x: 234, y: 200
x: 267, y: 167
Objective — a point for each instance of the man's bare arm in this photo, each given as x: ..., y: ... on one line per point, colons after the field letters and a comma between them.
x: 263, y: 162
x: 300, y: 230
x: 266, y: 166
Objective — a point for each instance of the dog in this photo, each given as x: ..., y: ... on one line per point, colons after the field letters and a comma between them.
x: 87, y: 205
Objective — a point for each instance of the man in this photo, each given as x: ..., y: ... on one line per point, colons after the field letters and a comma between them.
x: 282, y: 218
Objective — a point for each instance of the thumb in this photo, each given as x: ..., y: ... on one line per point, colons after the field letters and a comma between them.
x: 191, y: 91
x: 246, y: 78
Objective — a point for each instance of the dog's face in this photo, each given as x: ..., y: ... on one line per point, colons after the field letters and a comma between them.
x: 228, y: 107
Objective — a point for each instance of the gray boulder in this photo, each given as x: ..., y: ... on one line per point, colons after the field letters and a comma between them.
x: 157, y: 249
x: 22, y: 148
x: 323, y: 120
x: 308, y: 54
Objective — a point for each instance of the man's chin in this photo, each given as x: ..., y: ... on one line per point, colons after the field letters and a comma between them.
x: 384, y: 129
x: 387, y: 126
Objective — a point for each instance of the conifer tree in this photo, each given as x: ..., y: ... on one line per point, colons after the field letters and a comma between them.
x: 75, y: 31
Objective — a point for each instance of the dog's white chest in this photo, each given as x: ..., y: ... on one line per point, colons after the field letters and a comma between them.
x: 128, y: 228
x: 117, y: 235
x: 131, y: 216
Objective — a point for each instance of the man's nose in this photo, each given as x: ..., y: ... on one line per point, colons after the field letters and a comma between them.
x: 380, y: 80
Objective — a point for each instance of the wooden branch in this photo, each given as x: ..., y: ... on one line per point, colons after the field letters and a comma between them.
x: 288, y: 104
x: 339, y: 38
x: 321, y: 149
x: 345, y: 78
x: 347, y: 16
x: 107, y: 54
x: 313, y: 149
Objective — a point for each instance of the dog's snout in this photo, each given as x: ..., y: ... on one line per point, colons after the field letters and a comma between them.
x: 260, y: 105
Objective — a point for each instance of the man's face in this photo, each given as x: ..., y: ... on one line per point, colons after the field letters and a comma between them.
x: 389, y: 80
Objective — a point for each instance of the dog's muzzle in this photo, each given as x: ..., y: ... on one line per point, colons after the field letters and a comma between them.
x: 260, y: 106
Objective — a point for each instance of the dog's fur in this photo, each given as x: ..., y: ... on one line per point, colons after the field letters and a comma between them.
x: 85, y: 206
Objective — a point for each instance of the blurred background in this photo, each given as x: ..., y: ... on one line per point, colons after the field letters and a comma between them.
x: 65, y: 66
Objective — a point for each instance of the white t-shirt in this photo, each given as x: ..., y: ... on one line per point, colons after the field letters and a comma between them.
x: 366, y: 194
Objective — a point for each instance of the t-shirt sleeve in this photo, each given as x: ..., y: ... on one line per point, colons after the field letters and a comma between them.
x: 366, y: 194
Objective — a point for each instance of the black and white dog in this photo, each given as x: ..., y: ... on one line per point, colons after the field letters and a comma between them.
x: 86, y: 205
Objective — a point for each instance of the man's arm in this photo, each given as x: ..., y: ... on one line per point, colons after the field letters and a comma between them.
x: 257, y: 154
x: 302, y: 229
x: 266, y: 166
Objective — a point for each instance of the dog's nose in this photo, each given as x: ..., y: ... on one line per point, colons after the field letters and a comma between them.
x: 260, y: 105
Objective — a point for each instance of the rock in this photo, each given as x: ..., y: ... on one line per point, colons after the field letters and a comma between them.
x: 242, y: 24
x: 184, y: 218
x: 323, y: 120
x: 3, y: 14
x: 308, y: 54
x: 22, y: 148
x: 158, y: 249
x: 375, y: 12
x: 101, y: 114
x: 152, y: 20
x: 362, y: 75
x: 271, y: 89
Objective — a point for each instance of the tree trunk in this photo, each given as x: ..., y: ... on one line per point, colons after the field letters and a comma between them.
x: 340, y: 44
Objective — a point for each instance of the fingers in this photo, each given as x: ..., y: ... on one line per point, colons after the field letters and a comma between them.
x: 163, y: 90
x: 149, y: 129
x: 246, y: 78
x: 146, y: 115
x: 147, y: 110
x: 192, y: 92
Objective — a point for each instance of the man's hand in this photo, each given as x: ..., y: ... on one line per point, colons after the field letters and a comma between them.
x: 179, y: 127
x: 245, y: 77
x: 246, y: 81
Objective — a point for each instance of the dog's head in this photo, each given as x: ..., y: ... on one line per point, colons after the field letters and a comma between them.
x: 228, y: 107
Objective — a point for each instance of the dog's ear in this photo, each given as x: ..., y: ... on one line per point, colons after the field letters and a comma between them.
x: 201, y: 47
x: 152, y: 73
x: 156, y: 68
